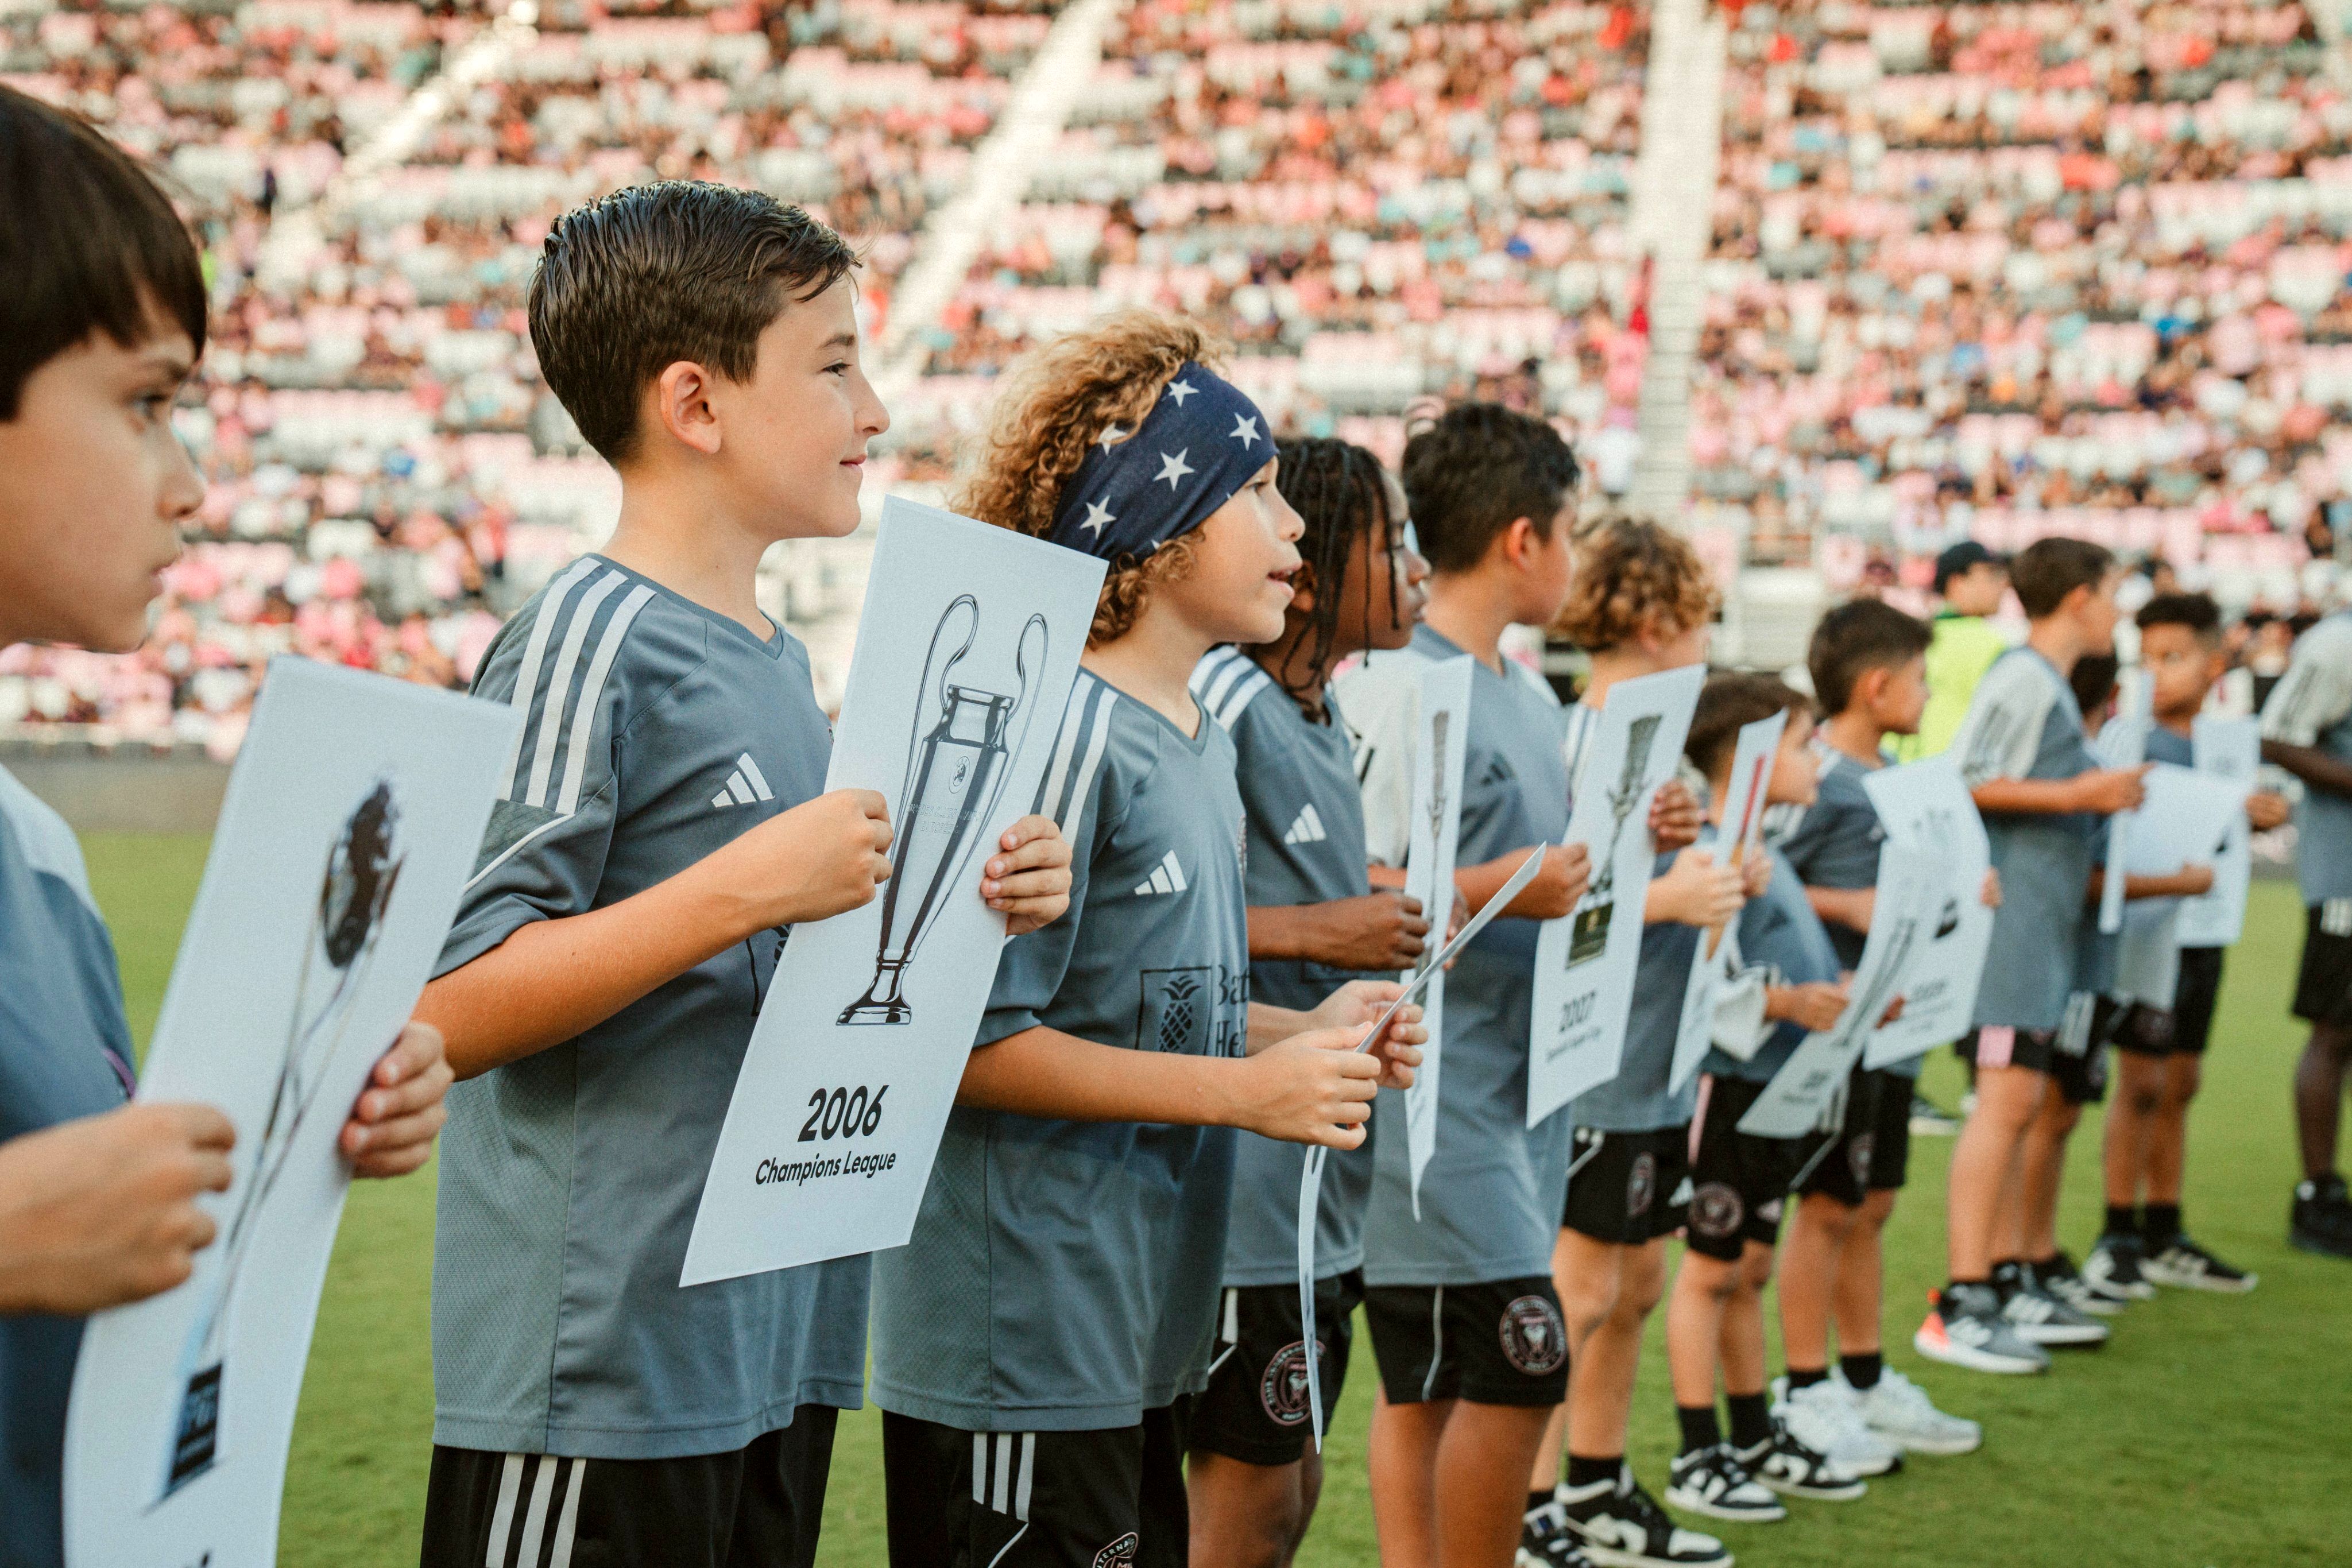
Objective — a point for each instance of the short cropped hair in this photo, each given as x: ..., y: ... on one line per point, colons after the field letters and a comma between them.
x: 2197, y: 612
x: 1477, y: 470
x: 2047, y: 571
x: 1855, y: 638
x: 1633, y: 575
x: 1729, y: 702
x: 678, y: 269
x: 91, y: 245
x: 2093, y: 679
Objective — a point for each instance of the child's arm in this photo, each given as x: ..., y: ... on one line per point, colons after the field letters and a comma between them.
x: 2266, y: 810
x: 1695, y: 890
x: 1815, y: 1005
x: 2312, y: 698
x: 1567, y: 873
x: 2105, y: 791
x: 1851, y: 907
x: 2188, y: 882
x: 1383, y: 930
x: 2315, y: 768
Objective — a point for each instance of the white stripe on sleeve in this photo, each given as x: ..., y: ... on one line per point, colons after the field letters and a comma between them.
x: 591, y: 695
x: 526, y: 690
x: 559, y: 686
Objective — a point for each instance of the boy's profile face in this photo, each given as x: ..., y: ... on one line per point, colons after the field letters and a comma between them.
x: 2096, y: 613
x: 1796, y: 777
x: 1244, y: 558
x: 1899, y: 696
x: 2183, y: 666
x: 1978, y: 590
x: 795, y: 435
x: 93, y: 487
x: 1547, y: 569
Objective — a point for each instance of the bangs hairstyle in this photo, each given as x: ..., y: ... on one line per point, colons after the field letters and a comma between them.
x: 1856, y: 638
x: 2047, y: 571
x: 91, y: 245
x: 2197, y: 612
x: 1339, y: 490
x: 1633, y: 575
x: 1729, y: 703
x: 1475, y: 470
x: 1053, y: 406
x: 679, y: 269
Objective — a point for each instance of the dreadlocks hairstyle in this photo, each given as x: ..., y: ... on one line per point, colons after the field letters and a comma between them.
x: 1053, y: 406
x: 1339, y: 489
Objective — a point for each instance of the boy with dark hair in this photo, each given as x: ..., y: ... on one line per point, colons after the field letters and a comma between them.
x: 613, y: 947
x: 1315, y: 921
x: 1036, y: 1341
x: 1868, y: 662
x: 2160, y: 1050
x: 1714, y: 1316
x: 101, y: 328
x: 1466, y: 1323
x: 2308, y: 730
x: 2045, y: 797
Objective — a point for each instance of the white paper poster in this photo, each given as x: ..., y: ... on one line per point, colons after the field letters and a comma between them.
x: 2124, y: 744
x: 349, y: 827
x: 1900, y: 922
x: 1440, y: 745
x: 1743, y: 829
x: 2186, y: 815
x: 2228, y: 748
x: 965, y: 657
x: 1585, y: 960
x: 1925, y: 809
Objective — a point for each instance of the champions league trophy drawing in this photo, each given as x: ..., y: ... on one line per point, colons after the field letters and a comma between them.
x: 361, y: 871
x: 1440, y: 723
x: 1588, y: 934
x: 955, y: 772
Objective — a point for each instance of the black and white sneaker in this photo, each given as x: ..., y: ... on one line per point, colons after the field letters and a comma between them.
x: 2059, y: 1276
x: 2040, y: 1316
x: 2113, y: 1268
x: 1714, y: 1483
x: 1622, y: 1526
x: 1964, y: 1328
x: 2185, y: 1266
x: 1547, y: 1542
x: 1793, y: 1470
x: 2321, y: 1219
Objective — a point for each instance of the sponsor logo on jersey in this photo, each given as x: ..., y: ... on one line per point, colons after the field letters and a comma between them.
x: 1533, y: 1338
x: 1168, y: 876
x: 1307, y: 829
x: 1283, y: 1389
x: 744, y: 786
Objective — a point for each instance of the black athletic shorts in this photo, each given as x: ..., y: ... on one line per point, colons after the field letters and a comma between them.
x: 758, y: 1507
x: 1110, y: 1498
x: 1500, y: 1341
x: 1872, y: 1151
x: 2080, y: 1077
x: 1628, y: 1189
x: 1740, y: 1182
x: 2193, y: 1000
x: 2322, y: 992
x: 1255, y: 1409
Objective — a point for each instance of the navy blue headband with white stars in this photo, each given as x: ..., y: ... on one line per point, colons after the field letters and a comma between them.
x: 1138, y: 488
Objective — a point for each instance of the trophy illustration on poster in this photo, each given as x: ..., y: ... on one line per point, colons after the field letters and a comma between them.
x: 1589, y: 934
x: 955, y: 771
x: 1440, y: 723
x: 361, y: 869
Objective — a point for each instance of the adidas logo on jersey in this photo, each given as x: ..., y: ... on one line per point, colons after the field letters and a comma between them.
x: 1167, y: 877
x: 1307, y: 829
x: 743, y: 786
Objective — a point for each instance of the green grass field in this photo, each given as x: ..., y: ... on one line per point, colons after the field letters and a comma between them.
x: 2208, y: 1432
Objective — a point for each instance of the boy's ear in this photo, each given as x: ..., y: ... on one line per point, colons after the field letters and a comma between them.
x: 1518, y: 540
x: 680, y: 399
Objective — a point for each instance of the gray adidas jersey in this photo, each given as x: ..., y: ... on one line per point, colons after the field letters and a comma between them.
x: 655, y: 731
x: 2023, y: 723
x: 65, y: 1053
x: 2312, y: 706
x: 1835, y: 844
x: 1297, y: 781
x: 1779, y: 934
x: 1063, y: 1275
x: 1637, y: 1098
x: 1490, y: 1200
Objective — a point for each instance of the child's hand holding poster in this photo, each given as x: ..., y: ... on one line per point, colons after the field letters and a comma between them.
x: 1926, y: 812
x: 1743, y: 831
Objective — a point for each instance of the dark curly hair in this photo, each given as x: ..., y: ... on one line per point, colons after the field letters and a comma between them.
x: 1633, y: 575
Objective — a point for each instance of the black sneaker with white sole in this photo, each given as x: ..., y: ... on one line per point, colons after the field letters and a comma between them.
x: 1547, y: 1542
x: 2321, y: 1218
x: 1622, y: 1526
x: 1714, y: 1483
x: 2041, y: 1317
x: 2185, y: 1266
x: 2060, y: 1277
x: 1792, y: 1469
x: 2114, y: 1269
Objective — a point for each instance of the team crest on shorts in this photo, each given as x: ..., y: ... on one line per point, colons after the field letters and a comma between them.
x: 1283, y: 1390
x: 1641, y: 1186
x: 1119, y: 1553
x: 1533, y: 1338
x: 1716, y: 1210
x: 1857, y: 1156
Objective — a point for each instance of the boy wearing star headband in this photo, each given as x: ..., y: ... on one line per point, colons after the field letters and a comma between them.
x: 1035, y: 1339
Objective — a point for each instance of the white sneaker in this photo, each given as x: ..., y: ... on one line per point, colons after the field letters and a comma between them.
x: 1899, y: 1409
x: 1823, y: 1416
